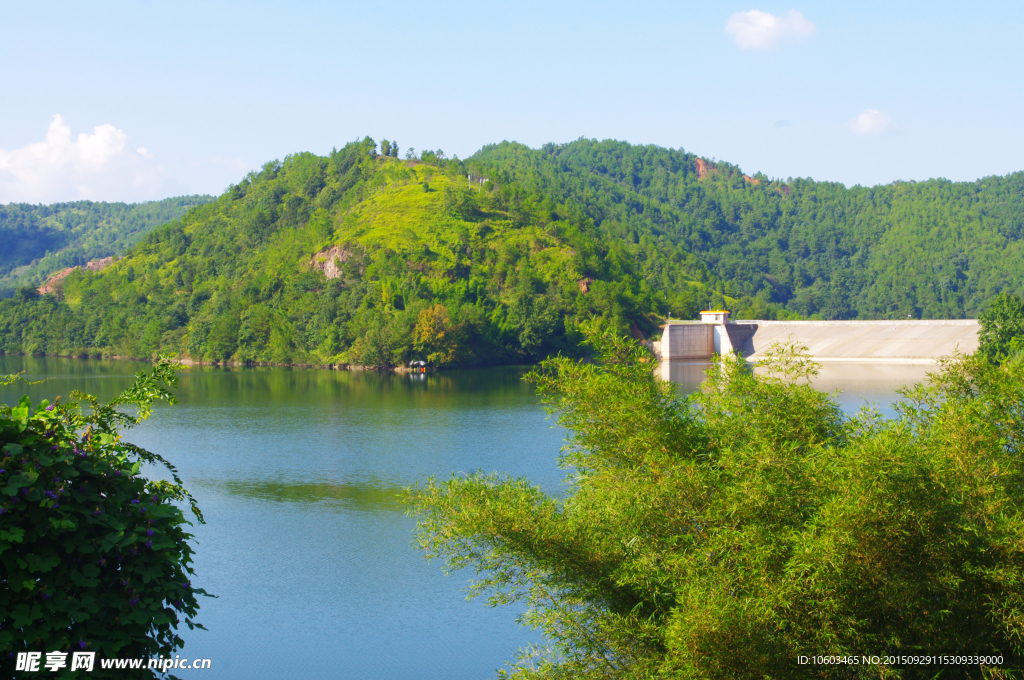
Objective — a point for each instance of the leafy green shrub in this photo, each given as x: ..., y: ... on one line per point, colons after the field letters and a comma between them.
x: 93, y: 556
x: 375, y: 349
x: 1002, y: 328
x: 725, y: 534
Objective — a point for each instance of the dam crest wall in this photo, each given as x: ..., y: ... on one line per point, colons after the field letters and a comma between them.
x: 924, y: 341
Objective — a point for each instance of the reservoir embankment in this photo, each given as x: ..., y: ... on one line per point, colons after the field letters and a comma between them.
x: 882, y: 341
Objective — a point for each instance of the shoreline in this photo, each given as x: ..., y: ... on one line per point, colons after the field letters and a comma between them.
x: 188, y: 361
x: 251, y: 364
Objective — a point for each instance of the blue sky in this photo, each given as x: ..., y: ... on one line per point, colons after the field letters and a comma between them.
x: 159, y: 98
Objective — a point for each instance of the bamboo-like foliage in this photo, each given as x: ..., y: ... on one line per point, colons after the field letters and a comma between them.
x: 726, y: 534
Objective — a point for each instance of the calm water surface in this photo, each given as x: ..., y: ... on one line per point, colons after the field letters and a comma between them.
x: 306, y: 545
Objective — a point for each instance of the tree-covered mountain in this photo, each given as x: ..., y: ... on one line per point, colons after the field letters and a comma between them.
x: 935, y: 249
x: 351, y: 258
x: 362, y: 258
x: 41, y: 239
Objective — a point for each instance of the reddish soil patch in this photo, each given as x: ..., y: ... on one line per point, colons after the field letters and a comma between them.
x: 704, y: 169
x: 54, y: 279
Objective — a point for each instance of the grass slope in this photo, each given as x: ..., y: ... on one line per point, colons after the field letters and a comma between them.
x: 431, y: 269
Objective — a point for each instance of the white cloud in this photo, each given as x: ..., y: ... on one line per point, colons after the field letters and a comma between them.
x: 101, y: 166
x: 756, y: 29
x: 870, y: 122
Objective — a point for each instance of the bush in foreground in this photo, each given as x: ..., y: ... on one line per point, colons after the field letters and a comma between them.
x: 725, y: 534
x: 1002, y: 328
x: 93, y: 556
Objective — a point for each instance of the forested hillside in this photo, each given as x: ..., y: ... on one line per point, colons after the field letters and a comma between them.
x: 41, y: 239
x: 362, y: 258
x: 935, y: 249
x: 353, y: 258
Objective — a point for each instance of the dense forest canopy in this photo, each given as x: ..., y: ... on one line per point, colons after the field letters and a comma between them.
x: 360, y: 257
x: 41, y: 239
x: 935, y: 249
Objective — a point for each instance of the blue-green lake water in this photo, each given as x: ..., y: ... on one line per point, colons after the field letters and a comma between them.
x: 306, y: 545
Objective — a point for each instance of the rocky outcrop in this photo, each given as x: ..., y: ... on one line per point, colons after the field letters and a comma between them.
x: 704, y: 169
x: 328, y: 261
x: 101, y: 264
x: 53, y: 282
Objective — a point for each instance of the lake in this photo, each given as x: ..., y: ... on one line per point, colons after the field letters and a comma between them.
x: 306, y: 545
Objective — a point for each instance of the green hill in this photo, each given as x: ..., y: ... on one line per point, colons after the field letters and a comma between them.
x: 362, y: 258
x: 935, y: 249
x: 413, y: 264
x: 39, y: 240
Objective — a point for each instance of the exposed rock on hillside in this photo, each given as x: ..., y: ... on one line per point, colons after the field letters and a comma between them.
x: 328, y: 261
x: 55, y: 278
x: 53, y: 282
x: 704, y: 169
x: 100, y: 264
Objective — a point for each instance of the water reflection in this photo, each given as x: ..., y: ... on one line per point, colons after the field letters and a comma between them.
x: 687, y: 374
x: 363, y: 497
x: 858, y: 384
x: 853, y: 385
x: 260, y: 385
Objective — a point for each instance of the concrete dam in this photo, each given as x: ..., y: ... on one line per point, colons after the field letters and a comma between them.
x: 846, y: 341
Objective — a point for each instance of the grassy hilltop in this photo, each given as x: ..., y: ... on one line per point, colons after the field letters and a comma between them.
x: 359, y: 257
x: 355, y: 258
